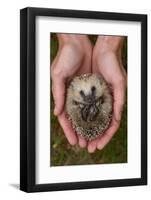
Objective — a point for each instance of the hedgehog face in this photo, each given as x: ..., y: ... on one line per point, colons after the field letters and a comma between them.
x: 88, y: 103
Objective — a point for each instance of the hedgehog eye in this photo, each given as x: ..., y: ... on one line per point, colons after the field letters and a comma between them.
x: 75, y: 103
x: 102, y: 99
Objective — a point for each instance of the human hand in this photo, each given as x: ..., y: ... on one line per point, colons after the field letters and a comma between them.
x: 73, y: 58
x: 106, y: 60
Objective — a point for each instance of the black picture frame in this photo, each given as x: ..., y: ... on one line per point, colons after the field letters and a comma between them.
x: 28, y: 98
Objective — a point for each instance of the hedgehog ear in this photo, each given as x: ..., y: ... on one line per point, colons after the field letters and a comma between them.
x: 93, y: 89
x: 82, y: 93
x: 101, y: 80
x: 71, y: 85
x: 81, y: 105
x: 97, y: 104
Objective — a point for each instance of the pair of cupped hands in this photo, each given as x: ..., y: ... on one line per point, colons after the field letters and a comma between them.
x: 76, y: 55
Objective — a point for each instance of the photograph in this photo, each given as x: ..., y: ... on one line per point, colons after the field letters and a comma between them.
x: 83, y: 83
x: 74, y: 100
x: 88, y: 99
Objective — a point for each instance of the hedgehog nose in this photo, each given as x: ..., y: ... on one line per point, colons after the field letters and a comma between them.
x: 93, y: 113
x: 89, y: 113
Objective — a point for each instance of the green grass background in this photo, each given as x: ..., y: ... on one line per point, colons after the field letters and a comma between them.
x: 62, y: 153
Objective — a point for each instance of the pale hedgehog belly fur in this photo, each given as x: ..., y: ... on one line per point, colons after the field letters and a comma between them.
x: 89, y: 105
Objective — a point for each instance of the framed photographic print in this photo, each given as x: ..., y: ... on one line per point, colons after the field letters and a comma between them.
x: 83, y: 99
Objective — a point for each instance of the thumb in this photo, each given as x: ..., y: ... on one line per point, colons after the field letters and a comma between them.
x: 119, y: 95
x: 58, y: 90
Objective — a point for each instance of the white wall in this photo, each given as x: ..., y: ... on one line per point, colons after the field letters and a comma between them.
x: 9, y: 98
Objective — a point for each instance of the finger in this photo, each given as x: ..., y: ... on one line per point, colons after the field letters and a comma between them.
x: 107, y: 136
x: 58, y: 91
x: 119, y: 96
x: 92, y: 145
x: 68, y: 131
x: 82, y: 142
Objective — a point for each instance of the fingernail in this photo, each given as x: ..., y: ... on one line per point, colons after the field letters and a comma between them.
x: 100, y: 148
x: 118, y: 117
x: 72, y: 141
x: 55, y: 111
x: 91, y: 149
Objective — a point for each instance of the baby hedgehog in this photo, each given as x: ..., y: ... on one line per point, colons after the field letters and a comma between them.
x: 89, y: 105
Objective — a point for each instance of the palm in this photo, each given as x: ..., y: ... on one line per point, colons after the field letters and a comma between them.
x: 109, y: 66
x: 73, y: 63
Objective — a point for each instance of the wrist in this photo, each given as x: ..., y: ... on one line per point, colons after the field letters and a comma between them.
x: 75, y: 39
x: 77, y: 42
x: 112, y: 44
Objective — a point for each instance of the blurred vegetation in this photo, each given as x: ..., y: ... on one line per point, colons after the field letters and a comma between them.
x: 62, y: 153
